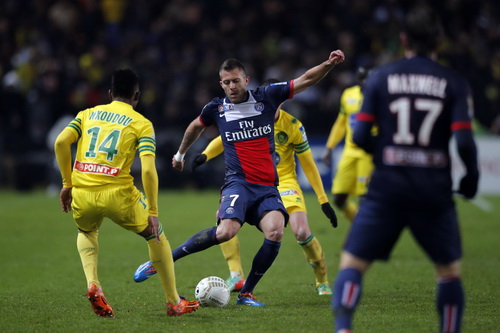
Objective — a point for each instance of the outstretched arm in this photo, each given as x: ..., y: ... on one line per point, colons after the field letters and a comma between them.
x: 315, y: 74
x: 193, y: 132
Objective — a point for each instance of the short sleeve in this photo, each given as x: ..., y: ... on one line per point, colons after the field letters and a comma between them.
x: 280, y: 91
x: 206, y: 116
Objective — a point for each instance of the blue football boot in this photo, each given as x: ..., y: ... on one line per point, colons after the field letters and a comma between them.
x: 247, y: 299
x: 144, y: 272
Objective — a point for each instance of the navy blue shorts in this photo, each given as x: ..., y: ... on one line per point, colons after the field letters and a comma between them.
x: 377, y: 228
x: 248, y: 202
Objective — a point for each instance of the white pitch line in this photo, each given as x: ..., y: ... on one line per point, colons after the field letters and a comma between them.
x: 483, y: 204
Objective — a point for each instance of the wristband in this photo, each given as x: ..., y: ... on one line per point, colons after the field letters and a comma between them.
x: 179, y: 157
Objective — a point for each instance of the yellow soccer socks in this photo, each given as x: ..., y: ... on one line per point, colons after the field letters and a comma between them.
x: 350, y: 210
x: 160, y: 255
x: 88, y: 248
x: 231, y: 252
x: 314, y: 255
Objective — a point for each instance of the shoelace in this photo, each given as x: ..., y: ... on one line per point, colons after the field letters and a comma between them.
x: 248, y: 295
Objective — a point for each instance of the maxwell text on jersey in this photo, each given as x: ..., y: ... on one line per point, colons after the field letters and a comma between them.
x: 416, y: 84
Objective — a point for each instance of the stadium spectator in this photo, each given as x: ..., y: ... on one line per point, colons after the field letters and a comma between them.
x: 176, y: 50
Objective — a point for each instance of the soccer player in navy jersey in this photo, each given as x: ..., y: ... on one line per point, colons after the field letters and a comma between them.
x: 245, y: 119
x: 417, y: 105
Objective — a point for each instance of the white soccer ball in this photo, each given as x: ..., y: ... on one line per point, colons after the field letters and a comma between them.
x: 212, y: 291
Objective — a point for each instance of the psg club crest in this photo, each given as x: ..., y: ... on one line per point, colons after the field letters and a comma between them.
x: 259, y: 106
x: 230, y: 210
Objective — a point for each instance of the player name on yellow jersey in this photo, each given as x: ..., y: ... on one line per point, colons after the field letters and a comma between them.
x: 110, y: 117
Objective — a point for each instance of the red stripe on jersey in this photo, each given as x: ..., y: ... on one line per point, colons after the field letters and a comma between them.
x: 461, y: 125
x: 256, y: 161
x: 201, y: 121
x: 292, y: 88
x: 365, y: 117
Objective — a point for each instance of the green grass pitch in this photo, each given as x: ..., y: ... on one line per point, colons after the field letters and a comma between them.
x: 42, y: 286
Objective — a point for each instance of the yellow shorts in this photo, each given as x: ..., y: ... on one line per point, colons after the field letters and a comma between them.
x: 124, y: 205
x: 353, y: 175
x: 292, y: 197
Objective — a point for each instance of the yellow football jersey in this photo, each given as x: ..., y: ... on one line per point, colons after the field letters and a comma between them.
x: 290, y: 137
x: 109, y: 136
x: 350, y: 104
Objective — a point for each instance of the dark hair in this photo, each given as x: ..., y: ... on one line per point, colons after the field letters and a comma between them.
x: 230, y: 64
x: 362, y: 73
x: 423, y: 30
x: 124, y: 83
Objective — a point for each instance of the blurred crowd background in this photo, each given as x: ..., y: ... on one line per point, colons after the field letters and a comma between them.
x: 56, y: 58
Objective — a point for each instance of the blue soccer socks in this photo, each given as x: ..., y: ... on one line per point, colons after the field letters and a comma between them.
x: 450, y: 302
x: 346, y: 295
x: 261, y: 263
x: 198, y: 242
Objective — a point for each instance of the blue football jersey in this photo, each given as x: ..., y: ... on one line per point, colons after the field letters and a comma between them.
x: 416, y: 104
x: 247, y: 132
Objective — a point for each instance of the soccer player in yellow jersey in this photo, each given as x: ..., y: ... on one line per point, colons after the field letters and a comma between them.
x: 100, y: 185
x: 290, y: 140
x: 355, y: 166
